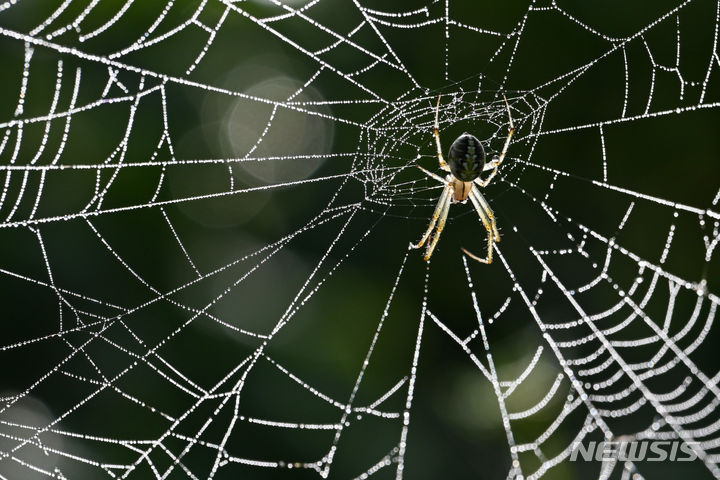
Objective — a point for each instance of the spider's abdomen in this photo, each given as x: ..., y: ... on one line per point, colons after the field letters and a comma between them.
x: 466, y: 158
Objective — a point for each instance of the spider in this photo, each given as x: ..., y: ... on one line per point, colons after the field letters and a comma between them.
x: 466, y: 162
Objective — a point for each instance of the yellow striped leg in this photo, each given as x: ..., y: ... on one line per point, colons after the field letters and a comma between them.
x: 441, y: 160
x: 442, y: 201
x: 488, y: 211
x: 488, y: 226
x: 441, y: 224
x: 496, y: 163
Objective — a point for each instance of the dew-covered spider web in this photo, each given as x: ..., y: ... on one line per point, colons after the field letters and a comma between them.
x: 205, y: 213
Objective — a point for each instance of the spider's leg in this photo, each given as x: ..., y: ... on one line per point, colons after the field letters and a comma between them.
x: 489, y: 226
x: 488, y: 212
x: 491, y: 164
x: 496, y: 163
x: 441, y: 160
x: 487, y: 260
x: 432, y: 175
x: 440, y: 226
x: 444, y: 199
x: 481, y: 213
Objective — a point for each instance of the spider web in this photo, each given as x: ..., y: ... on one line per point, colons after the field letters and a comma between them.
x: 205, y: 215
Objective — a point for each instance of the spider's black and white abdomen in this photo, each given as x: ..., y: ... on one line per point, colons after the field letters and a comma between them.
x: 466, y: 158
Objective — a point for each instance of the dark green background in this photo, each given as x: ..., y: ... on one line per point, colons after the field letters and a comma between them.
x: 455, y: 425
